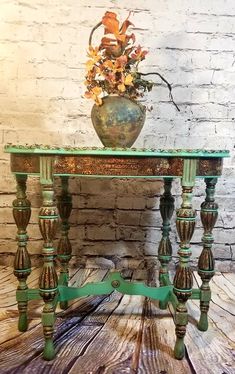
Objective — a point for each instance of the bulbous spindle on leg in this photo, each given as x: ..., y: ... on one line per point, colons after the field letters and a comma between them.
x: 165, y: 249
x: 183, y: 280
x: 22, y: 265
x: 48, y: 282
x: 64, y: 249
x: 209, y: 214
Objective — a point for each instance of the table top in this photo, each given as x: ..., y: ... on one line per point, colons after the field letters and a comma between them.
x: 115, y: 162
x: 132, y: 152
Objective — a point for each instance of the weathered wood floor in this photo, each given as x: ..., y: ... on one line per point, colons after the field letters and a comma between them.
x: 117, y: 334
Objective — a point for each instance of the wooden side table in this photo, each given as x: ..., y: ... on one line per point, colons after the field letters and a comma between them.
x: 47, y: 162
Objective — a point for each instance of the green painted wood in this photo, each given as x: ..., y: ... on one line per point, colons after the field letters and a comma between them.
x: 209, y: 215
x: 165, y: 248
x: 49, y: 150
x: 107, y: 286
x: 64, y: 248
x: 48, y: 282
x: 183, y: 280
x: 116, y: 176
x: 22, y: 265
x: 115, y: 282
x: 54, y: 292
x: 189, y: 172
x: 196, y: 294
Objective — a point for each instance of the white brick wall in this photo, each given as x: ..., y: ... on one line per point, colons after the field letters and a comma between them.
x: 42, y: 54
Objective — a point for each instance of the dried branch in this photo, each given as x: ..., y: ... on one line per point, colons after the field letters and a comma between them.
x: 168, y: 85
x: 93, y: 30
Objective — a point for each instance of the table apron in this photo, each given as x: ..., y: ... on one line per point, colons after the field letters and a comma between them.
x: 118, y: 166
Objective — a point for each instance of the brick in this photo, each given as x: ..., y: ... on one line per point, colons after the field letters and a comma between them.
x: 97, y: 186
x: 100, y: 232
x: 130, y: 203
x: 151, y: 249
x: 131, y: 233
x: 141, y: 187
x: 127, y: 217
x: 220, y: 59
x: 110, y: 248
x: 130, y: 263
x: 116, y: 222
x: 153, y: 235
x: 103, y: 202
x: 98, y: 262
x: 150, y: 218
x: 224, y: 78
x: 9, y: 12
x: 91, y: 216
x: 6, y: 215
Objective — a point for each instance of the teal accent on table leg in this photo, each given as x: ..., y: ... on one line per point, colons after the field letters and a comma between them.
x: 48, y: 320
x: 209, y: 214
x: 113, y: 282
x: 48, y: 162
x: 22, y: 264
x: 64, y: 250
x: 48, y: 282
x: 183, y: 280
x: 165, y: 248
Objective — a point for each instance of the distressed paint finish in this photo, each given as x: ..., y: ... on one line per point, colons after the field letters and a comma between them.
x: 64, y: 250
x: 165, y: 248
x: 183, y: 280
x: 184, y: 164
x: 48, y: 282
x: 118, y: 121
x: 116, y: 165
x: 209, y: 214
x: 22, y: 265
x: 197, y: 32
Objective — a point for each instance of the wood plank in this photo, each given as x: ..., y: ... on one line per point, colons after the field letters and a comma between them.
x: 115, y: 343
x: 9, y: 311
x: 8, y: 325
x: 117, y: 354
x: 118, y: 334
x: 222, y: 307
x: 156, y: 354
x: 211, y: 351
x: 78, y: 338
x: 230, y: 277
x: 75, y: 340
x: 8, y: 288
x: 5, y: 273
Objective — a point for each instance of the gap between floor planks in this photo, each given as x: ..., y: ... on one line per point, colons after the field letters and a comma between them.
x: 117, y: 334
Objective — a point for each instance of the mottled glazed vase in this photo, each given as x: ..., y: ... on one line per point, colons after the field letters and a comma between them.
x: 118, y: 121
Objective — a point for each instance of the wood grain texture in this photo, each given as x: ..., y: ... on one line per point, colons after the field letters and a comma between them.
x: 158, y: 339
x: 116, y: 333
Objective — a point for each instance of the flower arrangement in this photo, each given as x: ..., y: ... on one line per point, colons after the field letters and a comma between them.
x: 112, y: 68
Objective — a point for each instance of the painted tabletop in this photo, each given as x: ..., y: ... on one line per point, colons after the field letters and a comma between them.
x: 132, y: 152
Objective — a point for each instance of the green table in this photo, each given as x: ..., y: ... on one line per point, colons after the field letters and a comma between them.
x: 47, y: 162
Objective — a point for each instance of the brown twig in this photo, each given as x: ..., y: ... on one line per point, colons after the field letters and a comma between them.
x: 168, y: 85
x: 93, y: 30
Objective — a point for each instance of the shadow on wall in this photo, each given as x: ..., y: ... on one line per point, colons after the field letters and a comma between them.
x: 115, y: 223
x: 190, y: 72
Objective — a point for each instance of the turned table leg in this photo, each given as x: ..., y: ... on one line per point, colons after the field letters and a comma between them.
x: 48, y: 281
x: 165, y: 249
x: 22, y: 265
x: 183, y: 280
x: 209, y: 214
x: 64, y: 249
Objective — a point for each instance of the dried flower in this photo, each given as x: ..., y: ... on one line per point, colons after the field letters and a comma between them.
x: 112, y: 67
